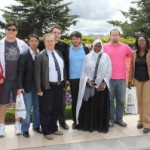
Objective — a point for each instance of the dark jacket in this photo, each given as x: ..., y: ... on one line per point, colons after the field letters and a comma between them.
x: 42, y: 71
x: 25, y: 79
x: 66, y: 57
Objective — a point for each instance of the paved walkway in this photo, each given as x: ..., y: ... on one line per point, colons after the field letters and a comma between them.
x: 118, y: 138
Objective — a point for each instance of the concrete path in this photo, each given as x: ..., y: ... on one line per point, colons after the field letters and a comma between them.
x: 118, y: 138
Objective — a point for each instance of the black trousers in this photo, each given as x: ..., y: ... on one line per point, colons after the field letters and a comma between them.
x: 74, y: 86
x: 50, y: 106
x: 62, y: 118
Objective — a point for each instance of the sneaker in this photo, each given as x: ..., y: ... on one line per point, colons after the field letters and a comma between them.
x: 121, y: 123
x: 74, y: 126
x: 139, y: 126
x: 2, y: 130
x: 17, y: 128
x: 111, y: 123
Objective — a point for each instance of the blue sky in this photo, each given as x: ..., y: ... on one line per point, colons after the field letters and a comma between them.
x: 94, y: 14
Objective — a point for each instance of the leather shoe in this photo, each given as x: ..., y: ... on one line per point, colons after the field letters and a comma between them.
x: 121, y: 123
x: 146, y: 130
x: 26, y: 134
x: 74, y: 125
x: 58, y: 133
x: 37, y: 129
x: 139, y: 126
x: 64, y: 125
x: 49, y: 137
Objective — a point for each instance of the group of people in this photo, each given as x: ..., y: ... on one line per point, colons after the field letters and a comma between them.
x: 42, y: 70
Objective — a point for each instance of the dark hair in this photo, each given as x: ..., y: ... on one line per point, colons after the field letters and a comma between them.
x: 76, y: 34
x: 10, y: 24
x: 33, y: 35
x: 137, y: 45
x: 57, y: 27
x: 115, y: 30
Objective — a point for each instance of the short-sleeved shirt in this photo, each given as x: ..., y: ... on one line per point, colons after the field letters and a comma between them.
x: 11, y: 59
x: 118, y: 54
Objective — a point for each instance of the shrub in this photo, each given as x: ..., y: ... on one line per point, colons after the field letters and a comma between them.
x: 10, y: 114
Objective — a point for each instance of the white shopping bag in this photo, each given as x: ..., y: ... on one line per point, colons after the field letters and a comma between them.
x: 131, y: 101
x: 20, y: 107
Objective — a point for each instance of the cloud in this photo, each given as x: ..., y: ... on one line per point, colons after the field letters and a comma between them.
x: 94, y: 14
x: 91, y: 27
x: 97, y: 9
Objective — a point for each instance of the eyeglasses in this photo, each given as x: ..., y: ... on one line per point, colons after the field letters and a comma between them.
x: 11, y: 29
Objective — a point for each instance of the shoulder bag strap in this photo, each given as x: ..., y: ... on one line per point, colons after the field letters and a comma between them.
x: 96, y: 67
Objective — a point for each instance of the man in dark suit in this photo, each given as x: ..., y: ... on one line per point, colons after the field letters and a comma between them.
x: 61, y: 47
x: 26, y: 85
x: 50, y: 84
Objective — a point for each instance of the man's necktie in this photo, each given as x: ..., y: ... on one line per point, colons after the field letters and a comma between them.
x: 57, y: 67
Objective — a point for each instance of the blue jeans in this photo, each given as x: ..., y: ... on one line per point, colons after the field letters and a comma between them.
x: 117, y: 92
x: 31, y: 100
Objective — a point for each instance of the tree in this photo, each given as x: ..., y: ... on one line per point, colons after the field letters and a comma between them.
x: 138, y: 19
x: 37, y: 16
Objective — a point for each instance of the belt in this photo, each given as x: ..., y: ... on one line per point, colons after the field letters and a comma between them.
x: 57, y: 83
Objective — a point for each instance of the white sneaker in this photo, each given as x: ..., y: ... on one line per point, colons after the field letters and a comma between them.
x: 17, y: 128
x: 2, y: 130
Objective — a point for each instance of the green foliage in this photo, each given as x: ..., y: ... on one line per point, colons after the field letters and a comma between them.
x: 105, y: 40
x: 89, y: 40
x: 37, y: 16
x: 68, y: 113
x: 10, y: 114
x: 139, y: 19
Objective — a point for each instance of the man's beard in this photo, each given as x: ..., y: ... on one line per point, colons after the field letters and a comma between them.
x: 76, y: 45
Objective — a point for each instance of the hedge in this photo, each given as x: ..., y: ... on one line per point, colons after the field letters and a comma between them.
x: 10, y: 114
x: 89, y: 40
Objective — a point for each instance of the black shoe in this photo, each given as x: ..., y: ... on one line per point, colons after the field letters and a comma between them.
x: 74, y: 126
x: 139, y: 126
x: 121, y: 123
x: 37, y: 129
x: 26, y: 134
x: 64, y: 125
x: 146, y: 130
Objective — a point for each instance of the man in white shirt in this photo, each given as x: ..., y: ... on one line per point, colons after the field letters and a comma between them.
x: 50, y: 83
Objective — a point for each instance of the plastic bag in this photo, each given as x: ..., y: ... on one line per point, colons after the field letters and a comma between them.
x: 131, y: 101
x: 20, y: 107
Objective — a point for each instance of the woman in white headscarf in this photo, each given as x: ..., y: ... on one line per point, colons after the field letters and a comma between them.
x: 92, y: 112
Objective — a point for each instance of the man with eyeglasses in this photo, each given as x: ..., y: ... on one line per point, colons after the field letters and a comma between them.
x: 10, y: 49
x: 117, y: 52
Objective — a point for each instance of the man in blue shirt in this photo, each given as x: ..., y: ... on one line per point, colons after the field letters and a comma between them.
x: 76, y: 54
